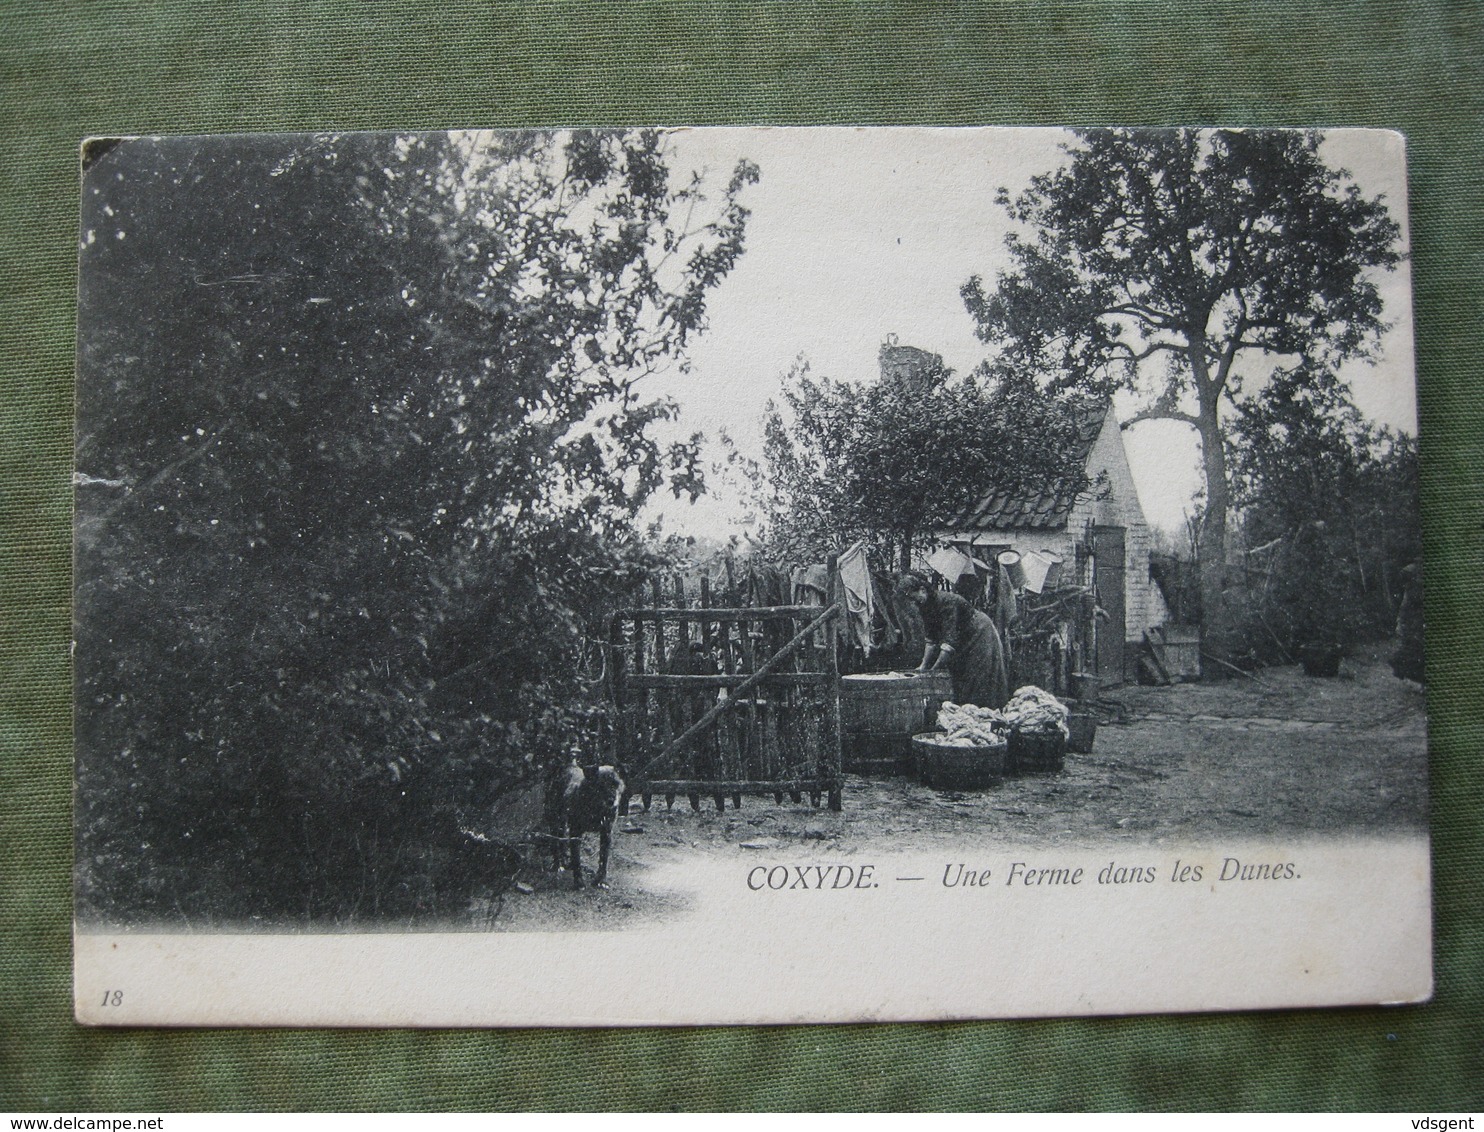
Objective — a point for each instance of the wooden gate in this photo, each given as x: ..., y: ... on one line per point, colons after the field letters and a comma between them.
x: 718, y: 701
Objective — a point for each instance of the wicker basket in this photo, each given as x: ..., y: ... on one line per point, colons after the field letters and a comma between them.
x: 1037, y: 752
x: 959, y: 768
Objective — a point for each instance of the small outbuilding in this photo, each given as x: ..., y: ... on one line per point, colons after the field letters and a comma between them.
x: 1098, y: 538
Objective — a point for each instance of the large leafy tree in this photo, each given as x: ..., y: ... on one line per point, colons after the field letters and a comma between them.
x: 361, y: 437
x: 892, y: 460
x: 1331, y: 515
x: 1188, y: 265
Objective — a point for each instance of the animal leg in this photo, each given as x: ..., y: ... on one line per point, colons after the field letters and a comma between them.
x: 605, y: 843
x: 576, y: 859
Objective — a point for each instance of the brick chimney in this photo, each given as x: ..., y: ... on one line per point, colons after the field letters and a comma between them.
x: 907, y: 363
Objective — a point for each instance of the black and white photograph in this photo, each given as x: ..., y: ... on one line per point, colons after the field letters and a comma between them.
x: 746, y: 575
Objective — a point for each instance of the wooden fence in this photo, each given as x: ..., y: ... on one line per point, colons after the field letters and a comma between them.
x: 725, y: 700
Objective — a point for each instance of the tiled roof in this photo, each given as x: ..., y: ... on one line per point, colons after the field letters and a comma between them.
x: 1047, y: 509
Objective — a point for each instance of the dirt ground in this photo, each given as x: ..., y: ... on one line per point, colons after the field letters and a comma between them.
x: 1283, y: 755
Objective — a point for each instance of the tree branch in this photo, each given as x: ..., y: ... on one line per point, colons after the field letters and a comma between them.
x: 1165, y: 320
x: 1233, y: 344
x: 1132, y: 355
x: 1157, y: 414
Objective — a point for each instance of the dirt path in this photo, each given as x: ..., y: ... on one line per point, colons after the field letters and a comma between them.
x: 1286, y: 756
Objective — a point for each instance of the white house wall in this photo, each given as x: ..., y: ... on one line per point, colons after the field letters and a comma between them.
x: 1119, y: 507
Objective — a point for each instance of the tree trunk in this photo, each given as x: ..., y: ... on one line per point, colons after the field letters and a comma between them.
x: 1218, y: 617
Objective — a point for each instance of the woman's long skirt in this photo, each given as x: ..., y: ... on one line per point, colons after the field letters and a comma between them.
x: 978, y: 669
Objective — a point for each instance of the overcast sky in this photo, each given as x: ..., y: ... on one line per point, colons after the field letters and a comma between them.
x: 857, y: 234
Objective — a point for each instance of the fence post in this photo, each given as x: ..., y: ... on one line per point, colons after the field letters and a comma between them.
x: 831, y: 752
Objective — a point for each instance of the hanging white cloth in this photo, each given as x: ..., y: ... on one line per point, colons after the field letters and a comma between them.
x: 855, y: 581
x: 951, y: 562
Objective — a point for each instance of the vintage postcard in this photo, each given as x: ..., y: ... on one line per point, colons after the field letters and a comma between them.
x: 695, y: 576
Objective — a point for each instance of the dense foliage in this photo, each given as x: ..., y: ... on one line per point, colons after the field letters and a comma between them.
x: 1188, y: 265
x: 892, y: 460
x: 1331, y: 518
x: 361, y: 439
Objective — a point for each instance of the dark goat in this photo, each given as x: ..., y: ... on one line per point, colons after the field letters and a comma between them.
x: 583, y: 800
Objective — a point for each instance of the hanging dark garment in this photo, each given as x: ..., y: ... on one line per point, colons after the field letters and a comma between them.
x: 1006, y: 608
x: 766, y: 585
x: 886, y: 629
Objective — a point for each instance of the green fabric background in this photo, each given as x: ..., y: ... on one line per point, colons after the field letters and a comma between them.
x: 72, y: 69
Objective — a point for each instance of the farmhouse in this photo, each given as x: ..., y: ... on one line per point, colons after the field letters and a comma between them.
x: 1098, y: 540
